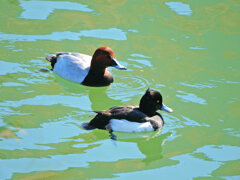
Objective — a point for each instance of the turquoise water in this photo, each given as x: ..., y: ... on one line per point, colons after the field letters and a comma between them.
x: 188, y: 50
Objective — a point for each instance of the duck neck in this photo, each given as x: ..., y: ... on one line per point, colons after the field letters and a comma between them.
x: 98, y: 77
x: 145, y: 108
x: 97, y: 66
x: 97, y: 70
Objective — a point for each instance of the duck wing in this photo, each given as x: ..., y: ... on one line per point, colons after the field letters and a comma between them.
x: 130, y: 113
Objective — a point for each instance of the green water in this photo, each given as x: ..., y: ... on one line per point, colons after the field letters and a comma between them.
x: 188, y: 50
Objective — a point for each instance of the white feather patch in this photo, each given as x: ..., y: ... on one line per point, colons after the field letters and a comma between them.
x: 124, y: 125
x: 73, y: 66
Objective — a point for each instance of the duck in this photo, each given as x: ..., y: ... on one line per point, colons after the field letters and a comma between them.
x: 84, y: 69
x: 131, y: 118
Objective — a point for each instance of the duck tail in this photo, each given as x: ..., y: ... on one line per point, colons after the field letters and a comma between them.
x: 86, y: 126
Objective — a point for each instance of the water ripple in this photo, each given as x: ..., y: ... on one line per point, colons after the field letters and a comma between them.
x: 140, y: 55
x: 141, y: 61
x: 226, y: 81
x: 233, y: 132
x: 198, y: 85
x: 127, y: 87
x: 196, y: 48
x: 191, y: 122
x: 190, y: 97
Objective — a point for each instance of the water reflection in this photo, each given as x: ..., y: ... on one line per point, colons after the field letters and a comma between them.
x: 98, y: 98
x: 42, y: 9
x: 9, y: 67
x: 101, y: 101
x: 111, y: 33
x: 12, y: 84
x: 39, y: 138
x: 102, y: 98
x: 182, y: 166
x: 65, y: 161
x: 144, y: 141
x: 220, y: 152
x: 148, y: 146
x: 180, y: 8
x: 48, y: 100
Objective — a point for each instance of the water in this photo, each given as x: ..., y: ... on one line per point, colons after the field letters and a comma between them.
x: 188, y: 50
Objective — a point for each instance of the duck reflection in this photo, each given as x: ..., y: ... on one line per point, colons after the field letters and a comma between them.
x: 99, y: 98
x: 150, y: 143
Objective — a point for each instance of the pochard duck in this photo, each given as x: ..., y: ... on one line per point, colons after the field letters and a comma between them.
x: 132, y: 118
x: 84, y: 69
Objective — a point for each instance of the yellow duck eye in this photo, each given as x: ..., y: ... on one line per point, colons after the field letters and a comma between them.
x: 158, y: 101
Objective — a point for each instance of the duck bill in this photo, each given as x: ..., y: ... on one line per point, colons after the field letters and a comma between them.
x: 165, y: 108
x: 117, y: 65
